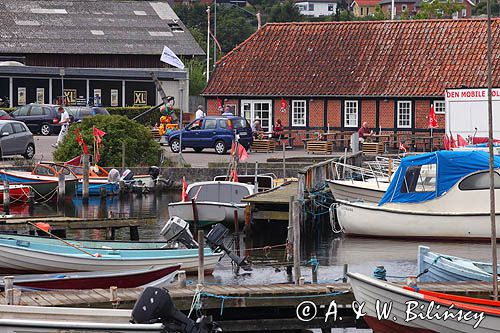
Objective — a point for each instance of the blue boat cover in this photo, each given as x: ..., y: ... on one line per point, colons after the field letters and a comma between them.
x: 451, y: 167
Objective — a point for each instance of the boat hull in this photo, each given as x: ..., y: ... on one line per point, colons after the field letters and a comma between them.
x: 17, y: 193
x: 95, y: 188
x: 97, y: 280
x: 371, y: 291
x: 357, y: 190
x: 360, y: 219
x: 15, y: 319
x: 208, y: 212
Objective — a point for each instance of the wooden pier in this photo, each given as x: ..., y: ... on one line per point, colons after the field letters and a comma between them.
x: 267, y: 306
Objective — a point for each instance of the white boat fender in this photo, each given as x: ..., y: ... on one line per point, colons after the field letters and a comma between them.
x: 113, y: 176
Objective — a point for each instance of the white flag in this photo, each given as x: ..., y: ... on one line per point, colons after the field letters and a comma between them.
x: 170, y: 58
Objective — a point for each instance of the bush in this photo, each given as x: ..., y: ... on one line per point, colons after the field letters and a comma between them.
x: 140, y: 148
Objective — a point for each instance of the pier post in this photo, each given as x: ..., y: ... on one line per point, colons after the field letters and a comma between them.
x: 6, y: 196
x: 284, y: 163
x: 314, y: 270
x: 296, y: 242
x: 113, y: 296
x: 289, y: 238
x: 61, y: 187
x: 195, y: 215
x: 134, y: 233
x: 103, y: 193
x: 85, y: 181
x: 110, y: 233
x: 121, y: 188
x: 248, y: 220
x: 255, y: 181
x: 123, y: 156
x: 31, y: 200
x: 389, y: 170
x: 9, y: 289
x: 182, y: 279
x: 344, y: 276
x: 201, y: 257
x: 236, y: 233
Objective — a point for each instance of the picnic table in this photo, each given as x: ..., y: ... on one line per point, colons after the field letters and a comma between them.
x: 383, y: 138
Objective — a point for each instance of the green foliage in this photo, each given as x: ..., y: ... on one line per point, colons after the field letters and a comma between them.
x: 233, y: 27
x: 286, y: 12
x: 379, y: 14
x: 197, y: 76
x: 437, y: 9
x: 482, y: 9
x: 140, y: 148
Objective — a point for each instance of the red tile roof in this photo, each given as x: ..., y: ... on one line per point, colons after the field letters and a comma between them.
x: 366, y: 2
x: 382, y: 58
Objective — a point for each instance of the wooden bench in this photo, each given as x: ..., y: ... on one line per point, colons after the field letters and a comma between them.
x: 373, y: 148
x: 155, y: 133
x: 322, y: 147
x: 263, y: 146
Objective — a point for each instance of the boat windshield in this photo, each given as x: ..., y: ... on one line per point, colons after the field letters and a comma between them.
x: 218, y: 192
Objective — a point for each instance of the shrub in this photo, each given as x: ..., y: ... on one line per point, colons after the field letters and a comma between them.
x: 140, y: 148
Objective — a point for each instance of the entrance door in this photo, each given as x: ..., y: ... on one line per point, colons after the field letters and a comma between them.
x: 261, y: 109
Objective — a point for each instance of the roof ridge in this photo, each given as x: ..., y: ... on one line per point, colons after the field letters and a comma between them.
x: 383, y: 21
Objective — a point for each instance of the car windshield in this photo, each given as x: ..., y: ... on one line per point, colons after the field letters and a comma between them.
x: 239, y: 123
x: 3, y: 113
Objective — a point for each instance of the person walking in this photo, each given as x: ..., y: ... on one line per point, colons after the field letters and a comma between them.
x: 65, y: 120
x: 199, y: 112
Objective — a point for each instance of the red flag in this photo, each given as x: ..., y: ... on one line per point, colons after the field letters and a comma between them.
x: 216, y: 41
x: 242, y: 153
x: 283, y: 105
x: 98, y: 134
x: 219, y: 105
x: 461, y: 141
x: 453, y: 143
x: 81, y: 142
x: 402, y: 147
x: 43, y: 226
x: 433, y: 123
x: 76, y: 161
x: 446, y: 142
x: 184, y: 196
x: 234, y: 176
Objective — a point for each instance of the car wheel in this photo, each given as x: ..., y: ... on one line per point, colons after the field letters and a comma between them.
x: 175, y: 145
x: 198, y: 150
x: 220, y: 147
x: 45, y: 129
x: 30, y: 152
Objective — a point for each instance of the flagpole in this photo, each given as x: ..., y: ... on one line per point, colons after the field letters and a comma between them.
x: 492, y: 180
x: 208, y: 43
x: 215, y: 31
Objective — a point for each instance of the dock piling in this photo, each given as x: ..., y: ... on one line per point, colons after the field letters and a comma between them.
x: 284, y: 163
x: 134, y: 233
x: 182, y: 279
x: 314, y: 270
x: 201, y: 257
x: 296, y: 241
x: 102, y: 192
x: 195, y: 214
x: 85, y: 185
x: 344, y: 274
x: 6, y: 196
x: 113, y: 296
x: 61, y: 187
x: 289, y: 241
x: 236, y: 233
x: 9, y: 289
x: 256, y: 183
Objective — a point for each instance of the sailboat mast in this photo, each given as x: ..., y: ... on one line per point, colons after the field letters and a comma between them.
x: 492, y: 179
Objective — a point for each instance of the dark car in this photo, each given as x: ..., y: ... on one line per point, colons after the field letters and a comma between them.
x: 40, y: 118
x: 16, y: 139
x: 4, y: 115
x: 212, y: 132
x: 79, y: 112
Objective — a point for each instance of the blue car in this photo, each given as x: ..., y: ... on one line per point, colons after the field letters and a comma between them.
x: 212, y: 132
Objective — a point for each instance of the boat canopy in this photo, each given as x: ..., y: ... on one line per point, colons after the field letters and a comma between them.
x: 427, y: 176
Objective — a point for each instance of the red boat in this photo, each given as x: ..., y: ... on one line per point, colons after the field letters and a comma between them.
x: 17, y: 193
x: 151, y: 276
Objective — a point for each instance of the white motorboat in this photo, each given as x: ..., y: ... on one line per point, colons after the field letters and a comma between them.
x: 415, y: 310
x: 449, y: 200
x: 15, y: 319
x: 358, y: 190
x: 215, y: 202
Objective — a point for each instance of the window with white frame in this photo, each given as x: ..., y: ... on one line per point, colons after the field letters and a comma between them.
x: 404, y: 114
x: 404, y: 7
x: 351, y: 113
x: 311, y: 7
x: 330, y: 7
x: 464, y: 12
x: 299, y: 113
x: 439, y: 107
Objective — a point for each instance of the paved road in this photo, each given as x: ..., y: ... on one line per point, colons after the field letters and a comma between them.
x: 43, y: 147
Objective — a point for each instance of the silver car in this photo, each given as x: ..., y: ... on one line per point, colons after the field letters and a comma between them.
x: 16, y: 139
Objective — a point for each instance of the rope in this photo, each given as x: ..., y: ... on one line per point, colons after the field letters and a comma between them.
x: 432, y: 264
x: 331, y: 210
x: 196, y: 302
x: 380, y: 273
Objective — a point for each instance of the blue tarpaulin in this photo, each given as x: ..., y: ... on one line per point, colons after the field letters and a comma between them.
x: 451, y: 166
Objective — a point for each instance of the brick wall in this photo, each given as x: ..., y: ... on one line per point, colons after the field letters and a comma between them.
x: 316, y: 113
x: 334, y: 110
x: 386, y: 113
x: 422, y: 108
x: 369, y: 112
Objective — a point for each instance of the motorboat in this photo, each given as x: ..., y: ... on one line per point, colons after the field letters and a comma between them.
x: 443, y: 194
x: 18, y: 193
x: 214, y: 202
x: 413, y: 310
x: 147, y: 276
x: 438, y: 267
x: 357, y: 190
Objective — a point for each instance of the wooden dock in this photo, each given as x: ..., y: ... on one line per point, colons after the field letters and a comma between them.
x: 272, y: 204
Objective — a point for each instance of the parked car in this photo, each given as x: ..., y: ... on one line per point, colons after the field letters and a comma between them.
x: 79, y: 112
x: 4, y: 115
x: 16, y: 139
x: 212, y: 132
x: 40, y: 118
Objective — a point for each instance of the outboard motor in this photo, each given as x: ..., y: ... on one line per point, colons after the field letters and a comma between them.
x: 215, y: 240
x: 113, y: 176
x: 127, y: 175
x: 176, y: 229
x: 154, y: 172
x: 155, y: 306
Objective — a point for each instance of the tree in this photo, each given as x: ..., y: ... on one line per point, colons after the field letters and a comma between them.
x: 140, y: 148
x: 379, y: 14
x: 286, y: 12
x: 481, y: 9
x: 437, y: 9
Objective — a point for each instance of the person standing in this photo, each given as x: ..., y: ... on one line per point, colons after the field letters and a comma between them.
x: 65, y: 120
x: 199, y: 112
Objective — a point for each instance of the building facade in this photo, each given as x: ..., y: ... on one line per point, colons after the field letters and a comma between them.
x: 101, y: 51
x: 316, y: 8
x: 336, y: 75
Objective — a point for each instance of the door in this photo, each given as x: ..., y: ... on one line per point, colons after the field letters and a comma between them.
x: 258, y: 109
x: 7, y: 140
x: 191, y: 135
x: 21, y: 114
x: 22, y: 138
x: 36, y: 118
x: 208, y: 133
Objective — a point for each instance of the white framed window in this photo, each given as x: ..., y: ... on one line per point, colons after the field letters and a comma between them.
x: 351, y: 113
x: 404, y: 7
x: 404, y: 114
x: 258, y: 109
x: 311, y: 7
x: 299, y: 113
x: 439, y: 107
x: 362, y: 10
x: 330, y: 7
x: 464, y: 12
